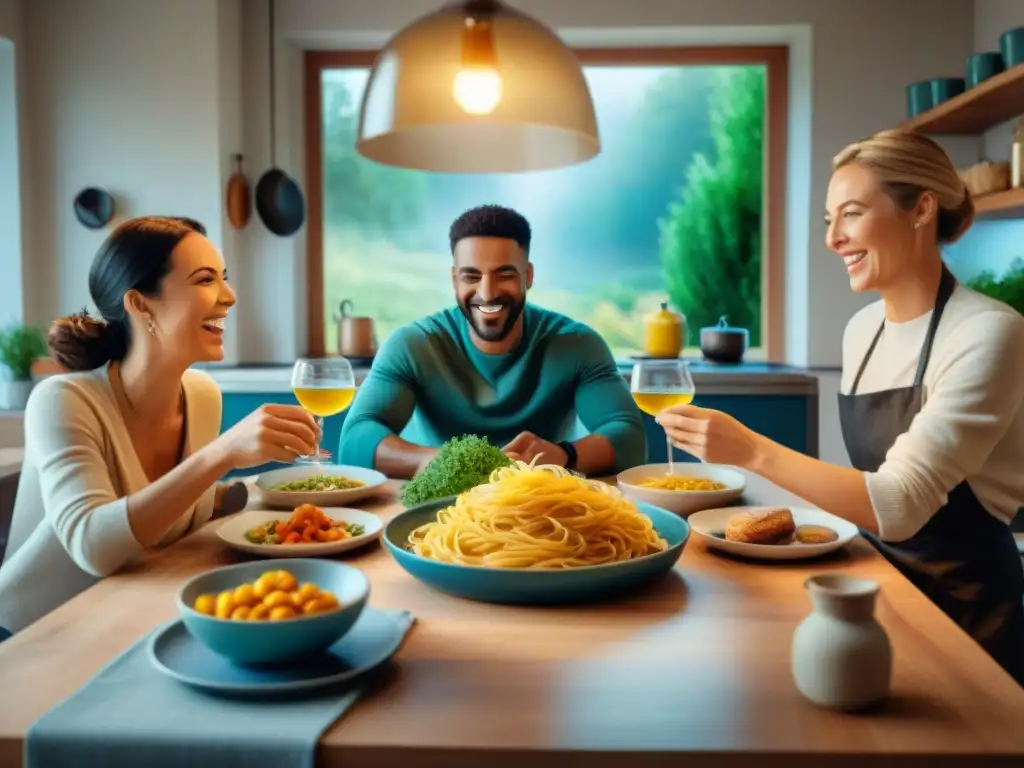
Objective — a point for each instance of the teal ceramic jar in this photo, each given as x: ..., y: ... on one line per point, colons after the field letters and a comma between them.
x: 945, y: 88
x: 1011, y: 43
x: 982, y: 66
x: 919, y: 98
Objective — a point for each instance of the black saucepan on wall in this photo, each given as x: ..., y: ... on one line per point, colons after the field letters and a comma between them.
x: 279, y: 201
x: 94, y: 207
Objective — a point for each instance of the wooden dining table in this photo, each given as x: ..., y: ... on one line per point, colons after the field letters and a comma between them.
x: 690, y: 671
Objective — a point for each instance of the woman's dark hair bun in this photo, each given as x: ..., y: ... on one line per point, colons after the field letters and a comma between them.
x: 80, y: 342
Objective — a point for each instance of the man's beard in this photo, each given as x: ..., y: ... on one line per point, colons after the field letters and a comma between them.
x: 490, y: 331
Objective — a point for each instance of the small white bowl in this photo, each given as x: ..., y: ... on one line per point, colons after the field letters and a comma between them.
x: 371, y: 481
x: 683, y: 502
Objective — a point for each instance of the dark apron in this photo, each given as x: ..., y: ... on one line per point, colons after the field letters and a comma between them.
x: 964, y: 559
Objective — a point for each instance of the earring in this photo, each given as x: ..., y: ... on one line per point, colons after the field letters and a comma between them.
x: 150, y: 326
x: 917, y: 225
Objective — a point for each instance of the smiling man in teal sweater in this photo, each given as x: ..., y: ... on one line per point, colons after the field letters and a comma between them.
x: 496, y: 366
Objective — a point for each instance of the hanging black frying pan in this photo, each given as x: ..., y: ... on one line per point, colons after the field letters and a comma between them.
x: 279, y: 201
x: 94, y: 207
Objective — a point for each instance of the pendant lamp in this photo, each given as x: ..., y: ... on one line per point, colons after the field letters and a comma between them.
x: 477, y: 87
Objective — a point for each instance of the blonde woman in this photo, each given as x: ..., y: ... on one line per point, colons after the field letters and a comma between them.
x: 123, y: 452
x: 930, y: 400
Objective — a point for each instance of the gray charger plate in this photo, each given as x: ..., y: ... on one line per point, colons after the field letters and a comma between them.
x: 373, y: 639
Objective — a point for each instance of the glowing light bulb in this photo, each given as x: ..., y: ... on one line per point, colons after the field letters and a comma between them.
x: 477, y: 89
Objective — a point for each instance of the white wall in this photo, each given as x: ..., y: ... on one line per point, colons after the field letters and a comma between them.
x: 13, y: 144
x: 10, y: 187
x: 230, y: 140
x: 138, y: 97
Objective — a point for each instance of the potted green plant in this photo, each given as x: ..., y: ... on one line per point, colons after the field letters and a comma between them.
x: 20, y: 346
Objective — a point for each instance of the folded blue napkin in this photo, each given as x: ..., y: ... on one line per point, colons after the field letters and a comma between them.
x: 132, y: 714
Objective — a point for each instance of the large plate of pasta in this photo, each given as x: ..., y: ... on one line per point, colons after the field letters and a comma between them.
x: 536, y: 534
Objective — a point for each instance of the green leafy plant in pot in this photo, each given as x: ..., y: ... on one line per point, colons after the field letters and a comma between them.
x: 20, y: 347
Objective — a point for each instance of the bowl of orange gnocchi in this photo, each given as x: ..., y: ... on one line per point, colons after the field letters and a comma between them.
x: 273, y: 612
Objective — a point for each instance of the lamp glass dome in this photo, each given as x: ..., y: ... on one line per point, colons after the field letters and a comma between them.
x: 477, y: 87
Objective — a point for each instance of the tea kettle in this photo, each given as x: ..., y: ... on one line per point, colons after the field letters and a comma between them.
x: 356, y: 335
x: 664, y: 332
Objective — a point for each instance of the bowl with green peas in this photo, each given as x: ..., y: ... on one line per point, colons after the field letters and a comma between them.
x: 323, y: 485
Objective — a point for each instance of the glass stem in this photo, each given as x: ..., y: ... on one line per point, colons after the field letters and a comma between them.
x: 671, y: 463
x: 316, y: 441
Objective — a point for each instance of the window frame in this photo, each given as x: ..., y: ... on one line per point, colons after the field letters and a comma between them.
x: 775, y: 59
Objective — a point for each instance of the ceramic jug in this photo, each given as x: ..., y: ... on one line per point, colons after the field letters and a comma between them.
x: 664, y: 333
x: 841, y: 657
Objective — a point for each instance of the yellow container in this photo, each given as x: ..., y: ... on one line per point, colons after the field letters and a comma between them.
x: 664, y: 332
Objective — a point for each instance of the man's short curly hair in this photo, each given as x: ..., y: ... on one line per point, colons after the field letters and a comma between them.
x: 491, y: 221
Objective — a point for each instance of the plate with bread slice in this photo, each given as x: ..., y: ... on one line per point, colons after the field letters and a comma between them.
x: 773, y: 533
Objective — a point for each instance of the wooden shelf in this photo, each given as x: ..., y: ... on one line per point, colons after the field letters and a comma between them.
x: 994, y: 101
x: 1008, y: 204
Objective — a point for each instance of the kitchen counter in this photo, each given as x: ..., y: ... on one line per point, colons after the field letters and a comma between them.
x: 691, y: 672
x: 779, y: 401
x: 710, y: 379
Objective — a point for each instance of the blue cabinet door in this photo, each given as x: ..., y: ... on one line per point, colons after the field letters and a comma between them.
x: 783, y: 418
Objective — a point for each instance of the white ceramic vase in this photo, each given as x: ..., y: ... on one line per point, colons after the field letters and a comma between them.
x: 841, y: 657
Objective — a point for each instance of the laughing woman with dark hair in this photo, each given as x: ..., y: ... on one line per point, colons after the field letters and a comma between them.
x: 122, y: 453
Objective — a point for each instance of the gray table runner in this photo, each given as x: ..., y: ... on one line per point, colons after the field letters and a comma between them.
x: 130, y: 714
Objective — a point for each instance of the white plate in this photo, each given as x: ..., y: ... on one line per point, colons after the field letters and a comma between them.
x: 371, y: 479
x: 711, y: 521
x: 683, y: 502
x: 233, y: 531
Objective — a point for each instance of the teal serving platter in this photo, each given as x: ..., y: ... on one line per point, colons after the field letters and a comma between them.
x: 521, y: 586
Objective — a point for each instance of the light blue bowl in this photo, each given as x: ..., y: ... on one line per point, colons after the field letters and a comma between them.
x: 519, y: 586
x: 275, y: 642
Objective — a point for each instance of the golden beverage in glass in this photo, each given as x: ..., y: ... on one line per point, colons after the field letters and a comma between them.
x: 325, y: 401
x: 653, y: 403
x: 324, y: 386
x: 660, y: 384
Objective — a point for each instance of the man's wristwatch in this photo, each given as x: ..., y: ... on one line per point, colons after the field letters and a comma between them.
x: 570, y: 454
